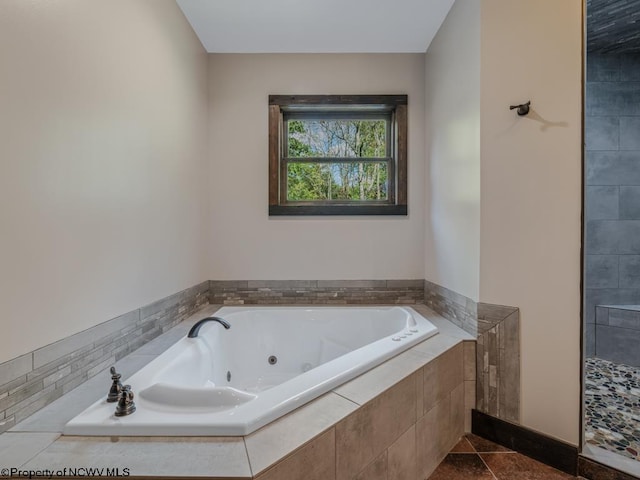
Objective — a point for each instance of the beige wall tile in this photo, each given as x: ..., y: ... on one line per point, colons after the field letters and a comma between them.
x: 469, y: 360
x: 314, y: 461
x: 367, y: 432
x: 438, y: 431
x: 437, y: 344
x: 450, y: 369
x: 275, y: 440
x: 430, y: 387
x: 441, y: 376
x: 402, y: 457
x: 374, y: 382
x: 456, y: 423
x: 376, y: 470
x: 469, y: 403
x: 445, y: 327
x: 427, y: 443
x: 443, y: 426
x: 419, y: 376
x: 149, y: 456
x: 18, y: 448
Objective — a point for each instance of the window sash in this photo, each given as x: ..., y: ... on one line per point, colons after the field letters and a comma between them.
x: 391, y: 107
x: 391, y: 188
x: 352, y: 114
x: 337, y: 159
x: 338, y: 115
x: 390, y: 184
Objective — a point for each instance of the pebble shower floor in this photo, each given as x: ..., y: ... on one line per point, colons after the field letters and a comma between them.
x: 612, y: 407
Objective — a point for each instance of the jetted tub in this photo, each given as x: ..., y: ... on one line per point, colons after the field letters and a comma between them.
x: 271, y: 361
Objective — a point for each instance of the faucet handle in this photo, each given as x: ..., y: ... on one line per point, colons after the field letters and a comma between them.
x: 126, y: 405
x: 116, y: 386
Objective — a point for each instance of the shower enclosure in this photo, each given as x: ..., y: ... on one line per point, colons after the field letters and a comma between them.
x: 612, y: 234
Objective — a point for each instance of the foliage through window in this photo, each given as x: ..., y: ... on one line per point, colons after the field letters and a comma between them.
x: 337, y: 155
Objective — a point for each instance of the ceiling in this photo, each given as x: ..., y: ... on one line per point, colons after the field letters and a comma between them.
x: 613, y: 26
x: 315, y: 26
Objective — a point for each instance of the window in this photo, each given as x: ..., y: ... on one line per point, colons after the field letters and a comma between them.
x: 338, y: 155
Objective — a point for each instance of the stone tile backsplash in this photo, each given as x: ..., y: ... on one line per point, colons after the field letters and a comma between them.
x: 497, y: 329
x: 316, y: 292
x: 498, y: 361
x: 34, y: 380
x: 457, y: 308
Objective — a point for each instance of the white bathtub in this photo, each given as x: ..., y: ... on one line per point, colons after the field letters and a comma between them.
x: 222, y: 383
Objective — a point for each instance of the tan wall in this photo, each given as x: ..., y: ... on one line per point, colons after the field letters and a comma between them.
x: 452, y: 190
x: 102, y: 140
x: 103, y: 117
x: 531, y: 196
x: 244, y: 243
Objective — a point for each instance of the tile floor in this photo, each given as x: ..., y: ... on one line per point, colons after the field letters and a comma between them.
x: 612, y: 407
x: 475, y: 458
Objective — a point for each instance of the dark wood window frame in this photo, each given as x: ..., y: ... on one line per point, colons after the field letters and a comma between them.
x: 396, y: 105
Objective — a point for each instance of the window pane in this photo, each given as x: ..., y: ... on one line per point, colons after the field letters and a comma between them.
x: 363, y: 181
x: 337, y: 138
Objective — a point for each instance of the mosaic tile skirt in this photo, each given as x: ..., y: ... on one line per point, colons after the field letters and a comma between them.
x: 612, y: 407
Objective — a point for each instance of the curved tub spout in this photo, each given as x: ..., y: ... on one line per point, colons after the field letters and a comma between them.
x: 193, y: 333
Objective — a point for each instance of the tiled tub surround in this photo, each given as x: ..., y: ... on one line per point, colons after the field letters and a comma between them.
x: 497, y: 328
x: 498, y: 361
x: 33, y: 380
x: 397, y: 421
x: 461, y: 310
x: 223, y: 383
x: 612, y: 209
x: 317, y: 292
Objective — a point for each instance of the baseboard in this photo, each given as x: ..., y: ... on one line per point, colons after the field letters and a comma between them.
x: 545, y: 449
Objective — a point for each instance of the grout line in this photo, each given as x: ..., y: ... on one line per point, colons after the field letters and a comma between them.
x: 469, y: 442
x: 41, y: 450
x: 500, y: 452
x: 335, y: 452
x: 246, y: 451
x: 485, y: 464
x: 347, y: 398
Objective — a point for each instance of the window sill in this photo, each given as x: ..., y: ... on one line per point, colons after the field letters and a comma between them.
x: 280, y: 210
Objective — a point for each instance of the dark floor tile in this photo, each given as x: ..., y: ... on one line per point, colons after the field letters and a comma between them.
x: 514, y: 466
x: 462, y: 467
x: 596, y: 471
x: 463, y: 446
x: 482, y: 445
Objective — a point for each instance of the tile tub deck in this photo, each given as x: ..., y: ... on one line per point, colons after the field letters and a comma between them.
x: 419, y: 400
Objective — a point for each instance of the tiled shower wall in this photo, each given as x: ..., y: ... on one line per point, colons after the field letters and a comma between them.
x: 612, y: 209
